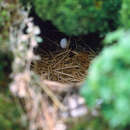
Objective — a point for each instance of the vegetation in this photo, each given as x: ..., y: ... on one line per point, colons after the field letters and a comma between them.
x: 8, y: 17
x: 80, y: 17
x: 4, y: 20
x: 10, y: 112
x: 108, y: 84
x: 106, y: 89
x: 125, y: 14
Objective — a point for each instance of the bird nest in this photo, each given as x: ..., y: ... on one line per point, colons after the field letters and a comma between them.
x: 65, y: 66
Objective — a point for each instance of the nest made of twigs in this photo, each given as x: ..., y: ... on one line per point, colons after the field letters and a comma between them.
x: 65, y: 66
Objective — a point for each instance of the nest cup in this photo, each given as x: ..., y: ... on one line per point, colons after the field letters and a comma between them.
x: 63, y: 65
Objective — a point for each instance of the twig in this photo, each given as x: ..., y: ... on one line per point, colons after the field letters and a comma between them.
x: 53, y: 97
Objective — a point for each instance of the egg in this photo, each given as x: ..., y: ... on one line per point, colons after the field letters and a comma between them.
x: 63, y: 43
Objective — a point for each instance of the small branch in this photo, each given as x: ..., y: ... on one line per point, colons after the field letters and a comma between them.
x: 60, y: 87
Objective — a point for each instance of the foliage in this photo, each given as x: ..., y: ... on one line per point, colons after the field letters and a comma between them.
x: 125, y: 13
x: 9, y: 113
x: 88, y: 123
x: 4, y: 20
x: 7, y: 16
x: 80, y: 17
x: 108, y: 82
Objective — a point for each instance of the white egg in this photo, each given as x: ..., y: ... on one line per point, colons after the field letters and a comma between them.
x: 63, y: 43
